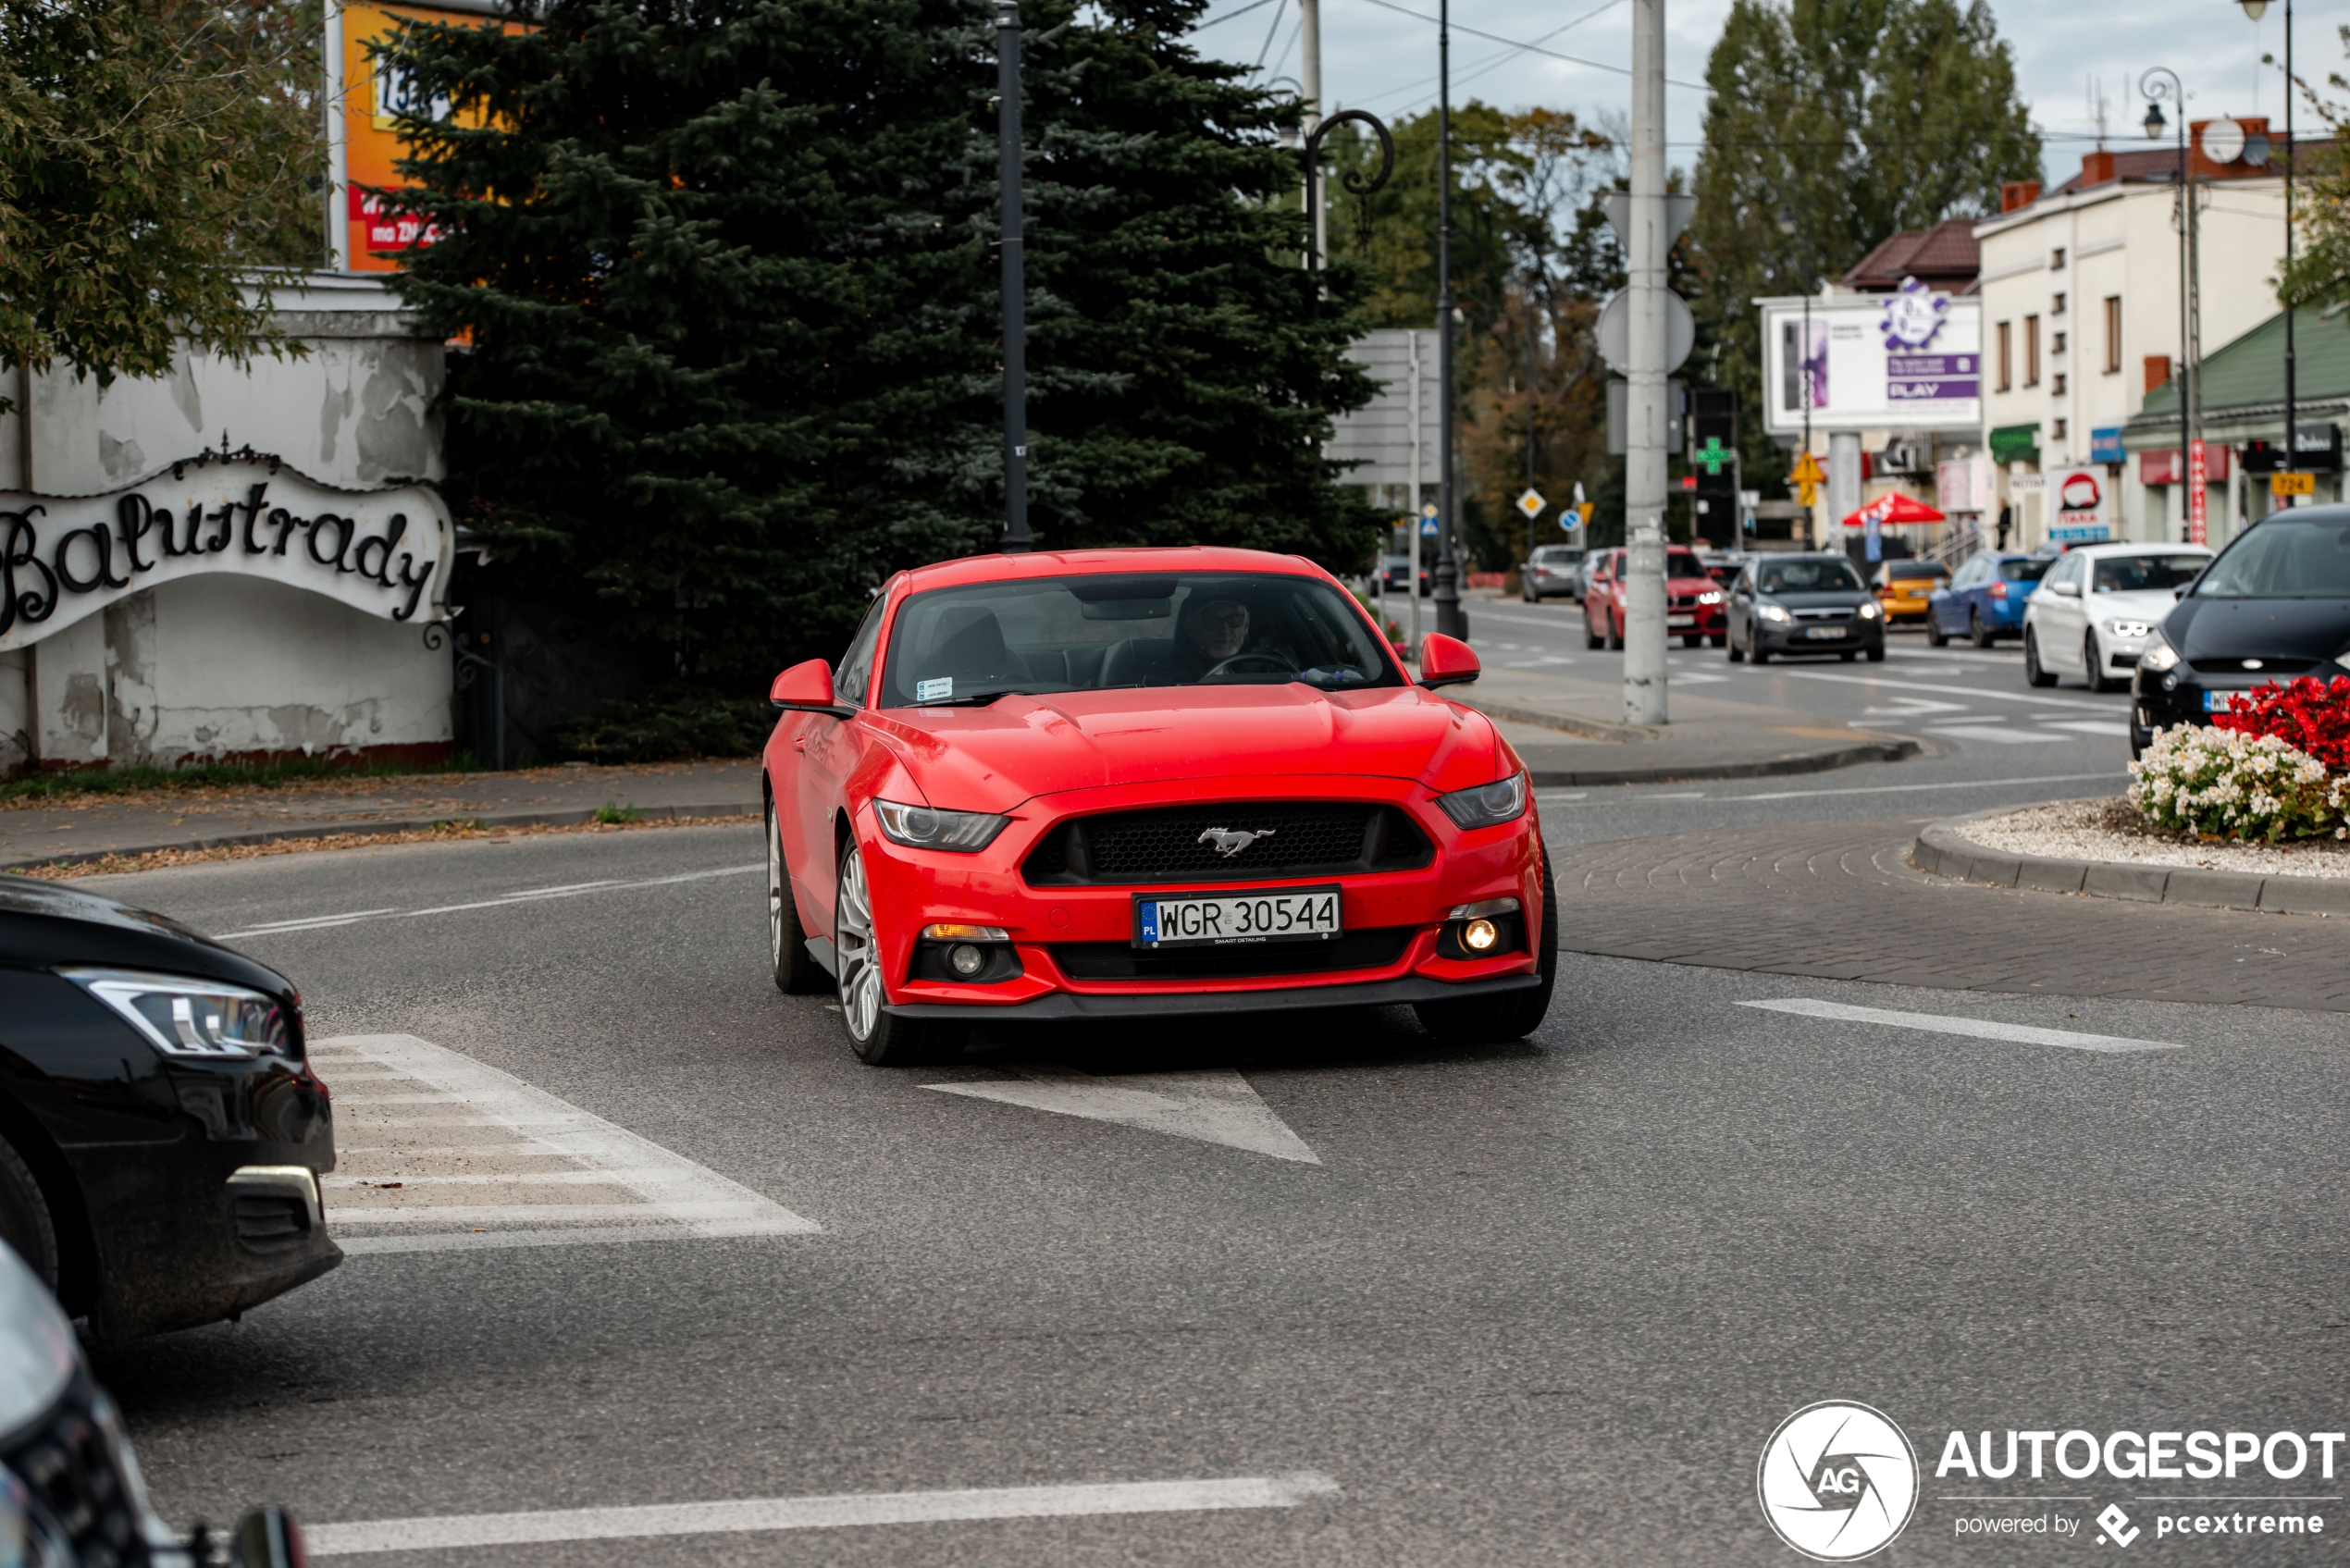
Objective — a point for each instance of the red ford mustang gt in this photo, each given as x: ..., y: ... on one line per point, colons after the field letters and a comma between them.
x: 1113, y: 784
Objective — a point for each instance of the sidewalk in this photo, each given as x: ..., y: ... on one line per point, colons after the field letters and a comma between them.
x: 1572, y: 731
x: 86, y: 827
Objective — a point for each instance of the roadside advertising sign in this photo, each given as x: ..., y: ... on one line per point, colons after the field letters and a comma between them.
x: 2197, y: 480
x: 1907, y: 361
x: 2082, y: 511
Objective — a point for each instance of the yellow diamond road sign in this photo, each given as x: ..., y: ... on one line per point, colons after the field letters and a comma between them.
x: 1532, y: 503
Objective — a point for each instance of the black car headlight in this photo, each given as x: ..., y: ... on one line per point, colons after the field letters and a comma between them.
x: 189, y: 1018
x: 927, y: 827
x: 2159, y: 655
x: 1488, y: 805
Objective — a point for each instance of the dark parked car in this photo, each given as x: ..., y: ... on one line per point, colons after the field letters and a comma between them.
x: 1812, y: 604
x: 161, y: 1131
x: 2275, y: 605
x: 1984, y: 600
x: 1552, y: 569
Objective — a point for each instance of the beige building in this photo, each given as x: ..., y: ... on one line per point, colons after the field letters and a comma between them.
x: 2080, y: 310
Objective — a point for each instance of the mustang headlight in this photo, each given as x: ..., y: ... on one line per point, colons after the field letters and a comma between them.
x: 927, y: 827
x: 1769, y: 613
x: 1486, y: 804
x: 183, y: 1017
x: 2159, y: 655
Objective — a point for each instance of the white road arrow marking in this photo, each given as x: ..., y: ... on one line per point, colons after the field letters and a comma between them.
x: 1981, y: 1029
x: 1215, y: 1106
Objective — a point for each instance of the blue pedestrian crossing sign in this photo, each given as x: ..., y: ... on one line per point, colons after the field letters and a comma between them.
x: 1427, y: 522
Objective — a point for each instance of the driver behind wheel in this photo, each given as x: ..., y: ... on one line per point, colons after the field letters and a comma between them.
x: 1210, y: 629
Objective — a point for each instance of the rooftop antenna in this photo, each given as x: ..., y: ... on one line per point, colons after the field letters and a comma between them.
x: 2100, y: 108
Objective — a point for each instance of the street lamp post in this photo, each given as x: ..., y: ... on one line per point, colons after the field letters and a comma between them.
x: 1356, y: 182
x: 1790, y: 228
x: 2254, y: 8
x: 1447, y: 584
x: 1015, y: 306
x: 2157, y: 84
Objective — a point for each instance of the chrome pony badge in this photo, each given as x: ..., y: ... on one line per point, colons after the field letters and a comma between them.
x: 1229, y: 843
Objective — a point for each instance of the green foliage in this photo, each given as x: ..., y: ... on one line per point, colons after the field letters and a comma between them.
x: 1856, y: 118
x: 149, y: 151
x: 212, y: 775
x: 667, y: 725
x: 2321, y: 272
x: 729, y: 278
x: 613, y: 814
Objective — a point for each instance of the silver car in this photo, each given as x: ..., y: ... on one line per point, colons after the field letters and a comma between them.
x: 2098, y: 605
x: 1553, y: 570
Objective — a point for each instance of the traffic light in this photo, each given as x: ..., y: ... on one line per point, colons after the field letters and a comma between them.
x: 1713, y: 464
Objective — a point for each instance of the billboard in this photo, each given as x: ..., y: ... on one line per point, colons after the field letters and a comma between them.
x: 2079, y: 509
x: 1910, y: 359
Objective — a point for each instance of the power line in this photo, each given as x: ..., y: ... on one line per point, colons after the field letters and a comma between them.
x: 1494, y: 61
x: 1252, y: 5
x: 1535, y: 48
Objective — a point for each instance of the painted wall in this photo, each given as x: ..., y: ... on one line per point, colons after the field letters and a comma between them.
x: 223, y: 666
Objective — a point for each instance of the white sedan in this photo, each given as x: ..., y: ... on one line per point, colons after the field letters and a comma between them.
x: 2098, y: 606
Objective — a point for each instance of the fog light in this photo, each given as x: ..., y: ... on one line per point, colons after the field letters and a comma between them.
x: 1477, y: 935
x: 965, y: 960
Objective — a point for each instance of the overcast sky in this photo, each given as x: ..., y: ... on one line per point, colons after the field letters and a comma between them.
x: 1376, y: 57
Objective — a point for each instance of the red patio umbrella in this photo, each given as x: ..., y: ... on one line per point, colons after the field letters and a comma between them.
x: 1892, y: 509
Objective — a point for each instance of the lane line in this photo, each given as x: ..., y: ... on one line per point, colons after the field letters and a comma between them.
x: 1975, y: 692
x: 321, y: 922
x: 460, y: 1530
x: 1980, y: 1029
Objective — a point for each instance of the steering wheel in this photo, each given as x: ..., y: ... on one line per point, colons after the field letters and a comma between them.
x: 1267, y: 659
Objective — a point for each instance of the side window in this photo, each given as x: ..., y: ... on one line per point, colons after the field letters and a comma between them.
x: 857, y: 665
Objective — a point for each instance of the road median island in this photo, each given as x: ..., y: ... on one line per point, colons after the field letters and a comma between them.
x: 1579, y: 744
x: 1947, y: 848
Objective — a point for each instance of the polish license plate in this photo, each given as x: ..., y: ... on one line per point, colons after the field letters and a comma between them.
x: 1225, y: 920
x: 1681, y: 620
x: 1824, y: 634
x: 2217, y: 701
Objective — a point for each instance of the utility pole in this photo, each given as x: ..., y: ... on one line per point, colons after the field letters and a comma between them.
x: 1016, y: 540
x: 2156, y: 90
x: 1310, y: 39
x: 1419, y: 376
x: 2291, y: 453
x: 1447, y: 584
x: 1644, y: 477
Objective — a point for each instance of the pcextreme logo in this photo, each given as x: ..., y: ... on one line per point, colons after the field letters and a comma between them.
x: 1837, y: 1481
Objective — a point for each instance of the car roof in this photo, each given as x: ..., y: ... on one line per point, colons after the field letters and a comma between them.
x: 2143, y: 547
x: 1002, y: 568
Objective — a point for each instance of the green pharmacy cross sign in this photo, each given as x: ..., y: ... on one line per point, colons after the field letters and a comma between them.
x: 1712, y: 456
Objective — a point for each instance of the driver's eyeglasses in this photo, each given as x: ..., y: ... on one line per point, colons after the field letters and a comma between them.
x: 1231, y: 620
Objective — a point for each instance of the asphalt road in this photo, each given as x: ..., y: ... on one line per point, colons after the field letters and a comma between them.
x: 1538, y: 1303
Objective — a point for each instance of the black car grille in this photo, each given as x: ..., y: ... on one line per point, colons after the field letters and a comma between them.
x: 69, y: 1462
x: 1303, y: 839
x: 2267, y: 667
x: 1371, y: 949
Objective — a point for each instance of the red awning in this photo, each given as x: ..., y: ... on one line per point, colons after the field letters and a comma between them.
x: 1895, y: 508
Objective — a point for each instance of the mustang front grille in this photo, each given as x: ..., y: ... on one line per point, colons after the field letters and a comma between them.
x: 1255, y: 841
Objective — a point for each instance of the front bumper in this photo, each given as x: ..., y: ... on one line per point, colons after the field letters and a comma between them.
x: 1796, y: 637
x: 914, y: 888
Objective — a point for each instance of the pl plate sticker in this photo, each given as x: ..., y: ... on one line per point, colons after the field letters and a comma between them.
x: 931, y: 691
x: 1837, y: 1481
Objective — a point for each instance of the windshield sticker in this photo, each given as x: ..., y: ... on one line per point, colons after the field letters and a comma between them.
x: 931, y: 691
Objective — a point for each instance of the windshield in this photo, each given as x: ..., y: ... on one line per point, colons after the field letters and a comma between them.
x: 2137, y: 574
x: 2027, y: 570
x: 1807, y: 577
x: 1903, y: 570
x: 1091, y: 634
x: 2281, y: 558
x: 1683, y: 563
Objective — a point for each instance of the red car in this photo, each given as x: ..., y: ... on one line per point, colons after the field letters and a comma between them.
x: 1116, y: 783
x: 1692, y: 603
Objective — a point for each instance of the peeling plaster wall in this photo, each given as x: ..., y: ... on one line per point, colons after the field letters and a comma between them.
x: 222, y: 665
x: 237, y: 665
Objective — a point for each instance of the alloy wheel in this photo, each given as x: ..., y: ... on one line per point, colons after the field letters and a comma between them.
x: 853, y: 949
x: 774, y: 892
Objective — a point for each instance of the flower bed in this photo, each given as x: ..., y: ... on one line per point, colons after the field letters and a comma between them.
x: 2112, y: 832
x: 2275, y: 766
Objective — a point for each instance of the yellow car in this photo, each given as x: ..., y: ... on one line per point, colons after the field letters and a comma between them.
x: 1905, y: 589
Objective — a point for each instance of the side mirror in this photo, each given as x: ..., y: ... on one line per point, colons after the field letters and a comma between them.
x: 807, y: 688
x: 2070, y: 591
x: 1446, y: 661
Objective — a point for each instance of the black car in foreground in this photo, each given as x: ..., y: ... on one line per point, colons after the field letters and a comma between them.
x: 161, y: 1132
x: 1808, y: 603
x: 2273, y: 606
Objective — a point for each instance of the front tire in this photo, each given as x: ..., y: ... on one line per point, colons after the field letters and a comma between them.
x: 795, y: 970
x: 1513, y: 1015
x: 1616, y: 637
x: 2093, y: 665
x: 2033, y: 672
x: 1977, y: 633
x: 24, y: 1216
x: 881, y: 1038
x: 1737, y: 654
x: 1935, y: 636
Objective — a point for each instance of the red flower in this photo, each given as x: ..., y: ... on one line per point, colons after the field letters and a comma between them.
x: 2308, y: 715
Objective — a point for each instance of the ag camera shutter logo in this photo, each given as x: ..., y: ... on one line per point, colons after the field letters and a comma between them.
x: 1837, y: 1481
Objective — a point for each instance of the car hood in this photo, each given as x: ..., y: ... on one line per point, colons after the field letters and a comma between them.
x: 43, y: 923
x: 991, y: 759
x: 2143, y: 604
x: 2204, y: 628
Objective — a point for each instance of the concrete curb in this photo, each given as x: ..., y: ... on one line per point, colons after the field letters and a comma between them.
x: 1944, y: 850
x: 1766, y: 767
x: 382, y: 826
x: 1596, y: 729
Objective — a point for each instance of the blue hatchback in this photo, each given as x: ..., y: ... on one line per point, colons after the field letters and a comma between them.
x: 1984, y: 598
